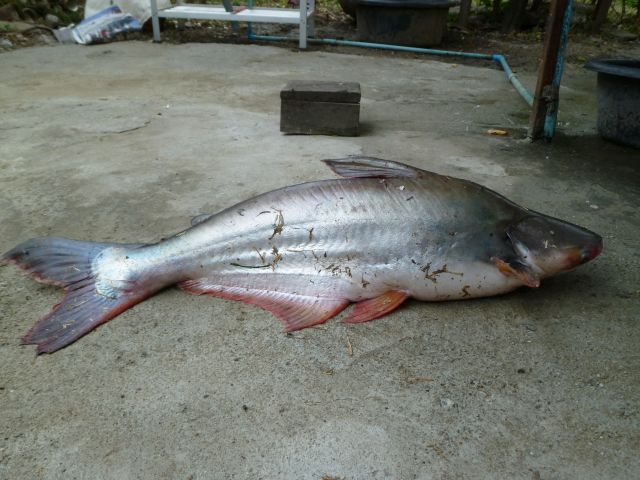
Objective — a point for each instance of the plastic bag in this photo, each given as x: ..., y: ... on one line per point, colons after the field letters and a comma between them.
x: 141, y: 9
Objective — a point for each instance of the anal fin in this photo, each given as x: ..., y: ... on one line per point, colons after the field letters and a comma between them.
x: 376, y: 307
x: 295, y: 311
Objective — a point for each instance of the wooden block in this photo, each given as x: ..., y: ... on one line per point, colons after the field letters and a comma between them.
x: 320, y: 108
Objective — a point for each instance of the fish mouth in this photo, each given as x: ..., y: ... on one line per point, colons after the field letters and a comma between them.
x: 577, y: 256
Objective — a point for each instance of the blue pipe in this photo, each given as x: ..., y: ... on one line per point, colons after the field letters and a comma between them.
x: 400, y: 48
x: 551, y: 118
x: 524, y: 93
x: 500, y: 59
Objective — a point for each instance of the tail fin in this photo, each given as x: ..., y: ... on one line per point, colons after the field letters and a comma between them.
x: 67, y: 263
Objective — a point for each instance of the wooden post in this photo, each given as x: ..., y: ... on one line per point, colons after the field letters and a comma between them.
x: 546, y: 95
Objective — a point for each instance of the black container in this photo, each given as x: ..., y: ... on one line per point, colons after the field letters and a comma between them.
x: 349, y: 7
x: 618, y: 100
x: 417, y: 23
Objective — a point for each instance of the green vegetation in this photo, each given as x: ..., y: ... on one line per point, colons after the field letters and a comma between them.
x: 68, y: 11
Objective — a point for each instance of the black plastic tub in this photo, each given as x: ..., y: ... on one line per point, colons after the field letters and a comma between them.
x: 417, y: 23
x: 618, y: 100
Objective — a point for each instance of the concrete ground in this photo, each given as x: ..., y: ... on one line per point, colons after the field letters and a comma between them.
x: 125, y: 142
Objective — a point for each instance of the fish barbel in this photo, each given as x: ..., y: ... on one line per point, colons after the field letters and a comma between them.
x: 380, y: 235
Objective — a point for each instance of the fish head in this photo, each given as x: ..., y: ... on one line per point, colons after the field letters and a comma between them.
x: 550, y: 246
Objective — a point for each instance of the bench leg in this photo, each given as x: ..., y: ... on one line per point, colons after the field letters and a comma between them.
x: 155, y: 23
x: 303, y: 35
x: 303, y: 24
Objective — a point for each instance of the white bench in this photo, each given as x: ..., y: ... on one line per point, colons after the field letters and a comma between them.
x: 303, y: 17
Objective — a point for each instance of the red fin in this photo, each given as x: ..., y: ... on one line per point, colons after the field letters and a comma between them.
x: 294, y: 311
x: 524, y: 273
x: 377, y: 307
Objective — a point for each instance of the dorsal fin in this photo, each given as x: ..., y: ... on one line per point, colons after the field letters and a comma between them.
x: 358, y: 167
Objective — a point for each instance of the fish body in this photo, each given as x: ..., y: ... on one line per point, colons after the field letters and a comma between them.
x: 385, y: 233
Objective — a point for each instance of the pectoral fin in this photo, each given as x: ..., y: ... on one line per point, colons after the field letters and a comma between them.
x: 376, y: 307
x: 519, y: 270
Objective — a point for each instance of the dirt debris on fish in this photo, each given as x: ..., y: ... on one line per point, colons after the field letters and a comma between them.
x: 307, y: 251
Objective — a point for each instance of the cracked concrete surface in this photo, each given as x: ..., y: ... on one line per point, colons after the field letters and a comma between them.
x: 126, y: 142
